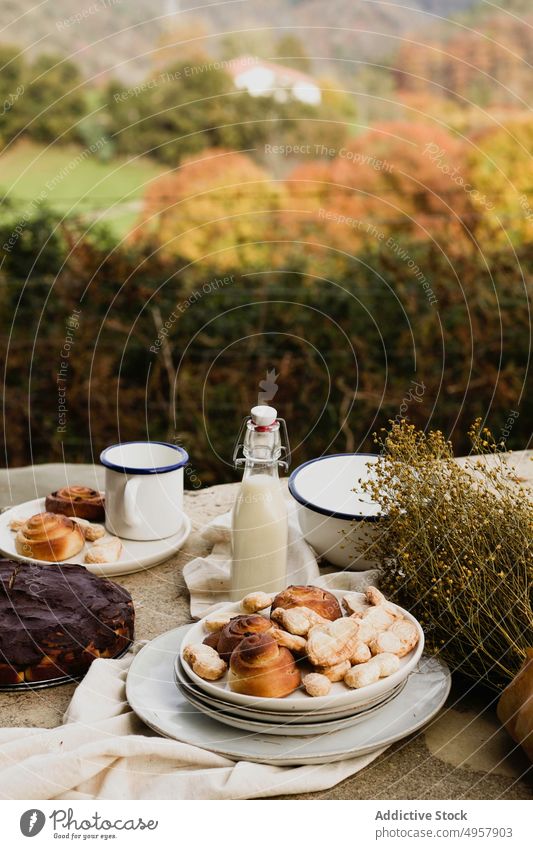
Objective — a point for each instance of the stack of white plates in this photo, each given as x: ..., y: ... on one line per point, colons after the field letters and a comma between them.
x: 152, y: 693
x: 297, y: 714
x: 289, y: 724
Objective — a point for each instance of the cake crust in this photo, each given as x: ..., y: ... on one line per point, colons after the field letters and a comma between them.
x: 56, y: 619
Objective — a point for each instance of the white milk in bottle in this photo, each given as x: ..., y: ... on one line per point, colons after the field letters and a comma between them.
x: 259, y: 525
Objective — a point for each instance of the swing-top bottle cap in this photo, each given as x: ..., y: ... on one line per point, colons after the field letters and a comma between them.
x: 262, y: 415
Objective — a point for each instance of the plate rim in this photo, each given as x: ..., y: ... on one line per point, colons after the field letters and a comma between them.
x: 343, y: 754
x: 104, y: 570
x: 330, y: 715
x: 347, y: 721
x: 279, y: 730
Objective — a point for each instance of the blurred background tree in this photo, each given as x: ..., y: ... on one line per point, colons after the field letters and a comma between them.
x: 55, y: 100
x: 13, y: 83
x: 501, y: 167
x: 212, y: 205
x: 290, y: 52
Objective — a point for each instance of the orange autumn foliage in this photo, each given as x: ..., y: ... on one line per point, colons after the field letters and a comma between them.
x: 218, y: 204
x: 397, y: 178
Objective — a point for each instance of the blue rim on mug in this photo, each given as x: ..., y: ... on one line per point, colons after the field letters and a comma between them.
x: 334, y: 514
x: 146, y: 470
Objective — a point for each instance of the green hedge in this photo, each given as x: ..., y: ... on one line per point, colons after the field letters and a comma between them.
x: 350, y: 354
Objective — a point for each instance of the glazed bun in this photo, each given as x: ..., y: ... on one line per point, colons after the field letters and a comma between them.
x: 212, y: 640
x: 237, y: 629
x: 260, y: 667
x: 321, y: 601
x: 80, y: 501
x: 47, y: 536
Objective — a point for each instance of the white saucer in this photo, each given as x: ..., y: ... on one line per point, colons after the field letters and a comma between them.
x: 135, y: 556
x: 339, y: 696
x: 152, y: 693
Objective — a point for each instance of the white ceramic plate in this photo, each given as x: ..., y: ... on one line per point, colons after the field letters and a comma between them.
x: 135, y: 556
x: 152, y: 694
x: 268, y: 716
x: 339, y: 696
x: 284, y: 727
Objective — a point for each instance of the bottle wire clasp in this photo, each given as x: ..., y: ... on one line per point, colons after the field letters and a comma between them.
x: 284, y: 457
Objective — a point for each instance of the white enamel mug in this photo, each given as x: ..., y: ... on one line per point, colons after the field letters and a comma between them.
x: 144, y: 489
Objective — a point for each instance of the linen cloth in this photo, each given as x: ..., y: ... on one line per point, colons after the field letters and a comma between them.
x: 104, y: 751
x: 207, y: 578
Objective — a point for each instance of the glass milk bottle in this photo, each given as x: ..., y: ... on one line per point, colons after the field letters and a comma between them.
x: 259, y: 526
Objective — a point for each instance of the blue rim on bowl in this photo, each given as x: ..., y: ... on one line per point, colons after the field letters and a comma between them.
x: 146, y: 470
x: 357, y: 517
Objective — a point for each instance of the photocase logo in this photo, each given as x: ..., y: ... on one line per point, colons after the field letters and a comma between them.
x: 268, y: 387
x: 32, y: 822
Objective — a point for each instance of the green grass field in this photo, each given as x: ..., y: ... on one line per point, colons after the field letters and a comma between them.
x: 78, y: 182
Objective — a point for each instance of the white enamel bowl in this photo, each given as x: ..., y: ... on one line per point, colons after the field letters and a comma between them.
x: 336, y: 520
x: 340, y: 695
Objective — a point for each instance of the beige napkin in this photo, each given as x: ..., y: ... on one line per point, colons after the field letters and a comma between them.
x: 207, y: 578
x: 103, y: 751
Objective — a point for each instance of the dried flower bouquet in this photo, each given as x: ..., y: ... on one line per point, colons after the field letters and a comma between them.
x: 455, y: 548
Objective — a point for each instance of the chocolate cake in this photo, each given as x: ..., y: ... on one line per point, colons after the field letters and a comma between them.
x: 55, y: 620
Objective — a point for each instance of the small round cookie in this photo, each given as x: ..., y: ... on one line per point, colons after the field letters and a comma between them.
x: 316, y: 684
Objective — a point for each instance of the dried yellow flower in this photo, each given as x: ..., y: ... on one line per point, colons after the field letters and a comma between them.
x: 471, y: 525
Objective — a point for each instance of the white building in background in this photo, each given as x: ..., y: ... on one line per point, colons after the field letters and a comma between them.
x: 172, y: 8
x: 259, y: 77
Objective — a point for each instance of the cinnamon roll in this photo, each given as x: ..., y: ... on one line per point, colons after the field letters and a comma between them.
x: 237, y: 629
x: 212, y: 640
x: 260, y: 667
x: 80, y: 501
x: 321, y: 601
x: 47, y: 536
